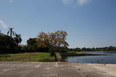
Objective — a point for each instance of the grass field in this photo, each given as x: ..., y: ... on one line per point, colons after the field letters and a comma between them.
x: 27, y: 57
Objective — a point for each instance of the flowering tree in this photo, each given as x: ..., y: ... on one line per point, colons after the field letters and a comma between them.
x: 52, y: 41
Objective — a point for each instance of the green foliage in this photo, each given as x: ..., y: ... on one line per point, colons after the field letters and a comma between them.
x: 25, y: 47
x: 18, y: 47
x: 62, y: 50
x: 78, y: 49
x: 110, y: 48
x: 6, y: 42
x: 17, y: 38
x: 32, y: 44
x: 31, y: 41
x: 10, y: 42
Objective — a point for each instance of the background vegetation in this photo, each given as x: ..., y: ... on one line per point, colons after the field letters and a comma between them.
x: 110, y: 48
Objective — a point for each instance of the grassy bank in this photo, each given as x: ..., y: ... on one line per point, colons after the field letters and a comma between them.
x: 27, y: 57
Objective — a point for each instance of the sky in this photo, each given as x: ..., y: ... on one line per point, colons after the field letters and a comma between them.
x: 89, y: 23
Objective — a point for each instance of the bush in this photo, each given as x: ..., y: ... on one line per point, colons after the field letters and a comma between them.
x: 63, y: 50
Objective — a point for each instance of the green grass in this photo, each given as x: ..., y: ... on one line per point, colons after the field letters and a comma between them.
x: 27, y: 57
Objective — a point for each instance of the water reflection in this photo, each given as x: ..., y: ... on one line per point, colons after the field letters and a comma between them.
x: 109, y: 59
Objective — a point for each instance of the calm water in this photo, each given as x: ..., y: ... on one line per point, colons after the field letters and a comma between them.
x: 109, y: 59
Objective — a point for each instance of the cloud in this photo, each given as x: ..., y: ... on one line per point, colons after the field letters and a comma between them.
x: 82, y: 2
x: 75, y: 2
x: 3, y: 24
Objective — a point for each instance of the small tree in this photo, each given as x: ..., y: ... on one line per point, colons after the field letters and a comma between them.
x: 52, y: 41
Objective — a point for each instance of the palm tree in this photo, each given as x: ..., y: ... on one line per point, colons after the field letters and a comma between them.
x: 11, y: 32
x: 18, y: 38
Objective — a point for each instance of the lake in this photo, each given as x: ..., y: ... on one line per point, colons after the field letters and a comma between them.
x: 103, y: 59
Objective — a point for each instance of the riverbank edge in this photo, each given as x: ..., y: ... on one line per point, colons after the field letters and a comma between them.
x: 81, y: 54
x: 61, y: 55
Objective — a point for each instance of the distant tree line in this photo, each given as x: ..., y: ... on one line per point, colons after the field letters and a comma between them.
x: 110, y: 48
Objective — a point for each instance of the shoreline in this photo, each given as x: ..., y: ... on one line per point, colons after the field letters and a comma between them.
x: 77, y: 54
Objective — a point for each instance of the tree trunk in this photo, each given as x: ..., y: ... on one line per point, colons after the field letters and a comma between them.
x: 53, y: 53
x: 55, y: 56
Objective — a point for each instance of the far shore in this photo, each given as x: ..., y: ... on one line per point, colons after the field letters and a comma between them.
x: 80, y: 54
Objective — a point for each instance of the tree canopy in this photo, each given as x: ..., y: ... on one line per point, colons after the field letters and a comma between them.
x: 50, y: 40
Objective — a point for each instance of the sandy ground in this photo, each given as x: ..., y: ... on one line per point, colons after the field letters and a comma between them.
x: 56, y: 69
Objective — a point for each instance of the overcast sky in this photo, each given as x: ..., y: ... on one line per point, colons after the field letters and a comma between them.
x: 89, y: 23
